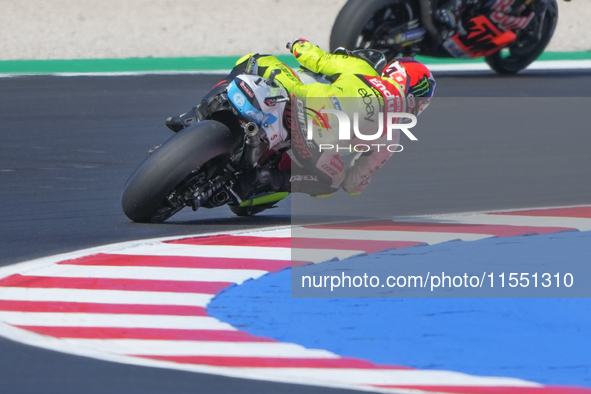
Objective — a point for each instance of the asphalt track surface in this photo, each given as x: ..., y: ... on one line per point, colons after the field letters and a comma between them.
x: 69, y: 144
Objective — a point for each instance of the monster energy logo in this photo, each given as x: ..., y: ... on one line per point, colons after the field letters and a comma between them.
x: 422, y: 87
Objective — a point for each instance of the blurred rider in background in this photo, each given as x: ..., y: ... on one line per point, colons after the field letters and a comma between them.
x: 506, y: 14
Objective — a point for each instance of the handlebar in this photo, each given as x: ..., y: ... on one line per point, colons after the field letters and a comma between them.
x: 271, y: 80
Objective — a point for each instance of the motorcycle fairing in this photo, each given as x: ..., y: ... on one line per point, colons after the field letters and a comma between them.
x: 248, y: 93
x: 483, y: 38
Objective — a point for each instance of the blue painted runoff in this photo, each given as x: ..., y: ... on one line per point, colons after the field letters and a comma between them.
x: 542, y: 340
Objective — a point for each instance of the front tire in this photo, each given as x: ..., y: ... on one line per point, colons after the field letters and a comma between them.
x: 523, y: 51
x: 168, y: 168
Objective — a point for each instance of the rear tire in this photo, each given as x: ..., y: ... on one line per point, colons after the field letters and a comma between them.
x: 169, y: 167
x: 523, y: 53
x: 362, y: 24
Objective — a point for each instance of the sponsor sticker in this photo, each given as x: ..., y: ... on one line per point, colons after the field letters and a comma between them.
x: 239, y: 99
x: 247, y: 89
x: 335, y: 102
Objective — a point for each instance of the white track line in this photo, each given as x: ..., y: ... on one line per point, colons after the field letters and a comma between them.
x: 146, y: 273
x: 211, y: 251
x: 537, y: 65
x: 560, y: 65
x: 119, y: 73
x: 322, y: 255
x: 392, y: 377
x: 377, y: 235
x: 201, y: 348
x: 236, y: 252
x: 46, y: 319
x: 435, y: 67
x: 515, y: 220
x: 274, y: 233
x: 104, y: 296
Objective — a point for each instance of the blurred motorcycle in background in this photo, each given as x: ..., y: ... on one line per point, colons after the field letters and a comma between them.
x: 509, y: 34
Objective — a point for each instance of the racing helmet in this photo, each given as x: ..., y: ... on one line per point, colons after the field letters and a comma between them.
x: 414, y: 79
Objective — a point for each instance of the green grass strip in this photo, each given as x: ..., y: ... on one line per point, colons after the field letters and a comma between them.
x: 124, y: 65
x: 143, y: 65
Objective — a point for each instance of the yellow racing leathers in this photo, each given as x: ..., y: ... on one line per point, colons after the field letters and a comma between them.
x: 356, y: 88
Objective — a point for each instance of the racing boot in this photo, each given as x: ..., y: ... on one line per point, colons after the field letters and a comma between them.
x: 177, y: 123
x: 262, y: 180
x: 302, y: 181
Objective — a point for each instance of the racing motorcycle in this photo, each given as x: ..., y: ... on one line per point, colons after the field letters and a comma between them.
x: 510, y: 34
x: 215, y: 146
x: 241, y: 126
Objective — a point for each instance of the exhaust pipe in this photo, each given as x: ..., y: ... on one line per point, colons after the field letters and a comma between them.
x: 251, y: 129
x: 254, y: 146
x: 220, y: 198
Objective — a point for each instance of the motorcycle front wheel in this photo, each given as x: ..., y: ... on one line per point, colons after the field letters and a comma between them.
x: 527, y: 47
x: 187, y: 159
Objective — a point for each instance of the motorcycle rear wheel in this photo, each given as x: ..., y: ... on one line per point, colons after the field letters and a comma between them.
x: 526, y: 48
x: 190, y: 156
x: 364, y: 24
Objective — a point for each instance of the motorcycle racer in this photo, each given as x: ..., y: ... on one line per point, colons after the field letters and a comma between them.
x: 356, y: 87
